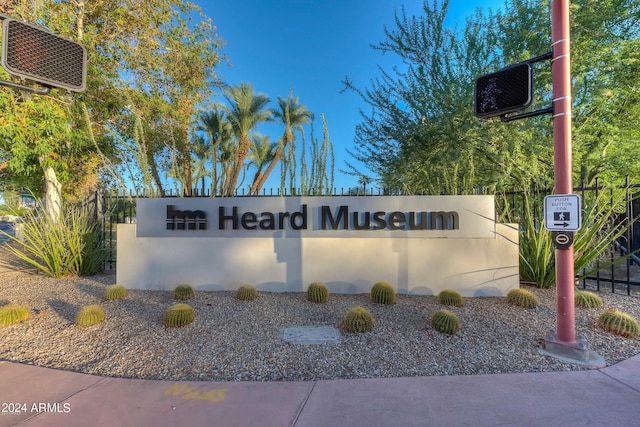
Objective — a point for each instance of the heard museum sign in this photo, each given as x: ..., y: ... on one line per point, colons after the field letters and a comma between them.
x: 384, y: 216
x: 419, y: 244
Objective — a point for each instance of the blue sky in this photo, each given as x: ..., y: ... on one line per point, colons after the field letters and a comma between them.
x: 310, y: 46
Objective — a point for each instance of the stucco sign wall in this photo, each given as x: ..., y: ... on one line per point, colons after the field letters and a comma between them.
x: 337, y: 217
x: 421, y: 244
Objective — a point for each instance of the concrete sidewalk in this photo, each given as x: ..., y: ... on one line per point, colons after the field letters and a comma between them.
x: 48, y: 397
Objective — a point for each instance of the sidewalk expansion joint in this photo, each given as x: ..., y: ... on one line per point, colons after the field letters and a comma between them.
x: 302, y: 406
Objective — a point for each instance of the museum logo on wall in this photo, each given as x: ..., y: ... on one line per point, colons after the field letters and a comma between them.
x: 383, y: 216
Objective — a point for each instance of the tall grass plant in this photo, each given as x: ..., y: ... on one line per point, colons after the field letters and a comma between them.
x: 71, y: 245
x: 592, y: 242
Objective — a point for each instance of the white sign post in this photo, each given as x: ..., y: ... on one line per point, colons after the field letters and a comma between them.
x: 562, y: 212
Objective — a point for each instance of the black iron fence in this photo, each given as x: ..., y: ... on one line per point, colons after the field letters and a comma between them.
x: 112, y: 208
x: 619, y: 268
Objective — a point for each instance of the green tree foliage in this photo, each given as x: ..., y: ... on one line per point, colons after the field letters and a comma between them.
x: 245, y: 110
x: 421, y: 134
x: 151, y: 66
x: 219, y: 132
x: 226, y: 126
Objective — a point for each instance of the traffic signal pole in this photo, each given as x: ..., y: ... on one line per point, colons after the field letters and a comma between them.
x: 563, y: 342
x: 561, y: 75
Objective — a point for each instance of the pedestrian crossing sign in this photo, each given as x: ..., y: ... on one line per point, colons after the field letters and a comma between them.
x: 562, y: 212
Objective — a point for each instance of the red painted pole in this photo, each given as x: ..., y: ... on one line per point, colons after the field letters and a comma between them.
x: 561, y: 69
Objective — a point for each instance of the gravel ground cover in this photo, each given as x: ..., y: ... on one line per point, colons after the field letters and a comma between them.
x: 232, y: 340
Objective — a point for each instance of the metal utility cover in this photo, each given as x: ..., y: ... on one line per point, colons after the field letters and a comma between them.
x: 311, y: 334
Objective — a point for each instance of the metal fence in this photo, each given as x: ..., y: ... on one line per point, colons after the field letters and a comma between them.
x: 619, y: 268
x: 112, y: 208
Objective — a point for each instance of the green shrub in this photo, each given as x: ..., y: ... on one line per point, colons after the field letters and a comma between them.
x: 70, y: 245
x: 317, y: 292
x: 183, y: 292
x: 246, y: 293
x: 586, y: 299
x: 445, y: 321
x: 358, y: 320
x: 450, y: 297
x: 383, y: 293
x: 115, y: 292
x: 13, y: 313
x: 619, y: 323
x: 597, y: 233
x: 178, y: 315
x: 522, y: 298
x: 90, y: 315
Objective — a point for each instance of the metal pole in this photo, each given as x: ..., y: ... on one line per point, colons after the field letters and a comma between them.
x: 561, y: 69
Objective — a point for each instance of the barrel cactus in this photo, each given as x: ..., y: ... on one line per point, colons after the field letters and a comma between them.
x: 383, y: 293
x: 619, y: 323
x: 586, y: 299
x: 450, y: 297
x: 115, y: 292
x: 445, y: 321
x: 246, y: 293
x: 90, y: 315
x: 358, y: 320
x: 317, y: 292
x: 183, y: 292
x: 13, y: 313
x: 178, y: 315
x: 522, y: 298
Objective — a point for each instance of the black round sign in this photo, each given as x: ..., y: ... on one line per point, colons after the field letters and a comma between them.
x: 562, y: 239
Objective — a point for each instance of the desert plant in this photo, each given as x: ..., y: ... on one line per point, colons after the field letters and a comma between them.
x: 383, y: 293
x: 246, y: 293
x: 317, y: 292
x: 450, y: 297
x: 70, y: 244
x: 536, y: 255
x: 115, y: 292
x: 183, y: 292
x: 90, y: 315
x: 445, y: 321
x: 599, y: 232
x: 586, y: 299
x: 13, y: 313
x: 522, y: 298
x: 358, y: 320
x: 178, y: 315
x: 619, y: 323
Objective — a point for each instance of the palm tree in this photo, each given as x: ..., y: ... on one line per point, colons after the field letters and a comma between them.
x: 245, y: 111
x: 201, y: 148
x: 262, y: 152
x: 220, y: 132
x: 364, y: 180
x: 293, y: 116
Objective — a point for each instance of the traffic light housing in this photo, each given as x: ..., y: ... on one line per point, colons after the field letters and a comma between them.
x: 504, y: 91
x: 35, y: 54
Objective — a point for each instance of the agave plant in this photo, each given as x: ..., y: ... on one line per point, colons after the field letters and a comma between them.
x: 598, y: 233
x: 68, y: 245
